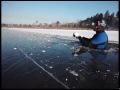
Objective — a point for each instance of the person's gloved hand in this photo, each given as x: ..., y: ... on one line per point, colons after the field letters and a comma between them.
x: 76, y: 35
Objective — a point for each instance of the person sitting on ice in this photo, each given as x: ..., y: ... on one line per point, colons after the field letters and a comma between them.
x: 99, y: 40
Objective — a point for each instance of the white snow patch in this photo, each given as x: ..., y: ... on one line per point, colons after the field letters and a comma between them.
x: 108, y: 70
x: 43, y: 51
x: 73, y: 72
x: 65, y: 44
x: 15, y: 48
x: 76, y: 55
x: 31, y: 54
x: 66, y: 69
x: 112, y: 35
x: 51, y: 67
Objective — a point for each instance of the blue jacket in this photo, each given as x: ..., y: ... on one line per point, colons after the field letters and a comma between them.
x: 99, y: 40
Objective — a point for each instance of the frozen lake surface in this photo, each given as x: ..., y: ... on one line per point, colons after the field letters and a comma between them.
x: 32, y: 60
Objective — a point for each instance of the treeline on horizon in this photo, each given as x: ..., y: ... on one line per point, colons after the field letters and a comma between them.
x: 112, y: 21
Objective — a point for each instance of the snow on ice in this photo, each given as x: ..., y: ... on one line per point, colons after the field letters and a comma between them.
x: 112, y: 35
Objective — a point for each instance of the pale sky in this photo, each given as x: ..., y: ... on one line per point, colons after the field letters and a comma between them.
x: 27, y: 12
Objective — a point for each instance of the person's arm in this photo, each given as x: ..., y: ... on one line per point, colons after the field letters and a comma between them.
x: 84, y: 41
x: 91, y: 45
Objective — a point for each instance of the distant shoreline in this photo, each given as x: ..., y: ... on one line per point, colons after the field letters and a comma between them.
x: 52, y: 28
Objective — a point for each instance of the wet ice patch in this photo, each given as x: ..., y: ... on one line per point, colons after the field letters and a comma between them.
x: 82, y: 62
x: 80, y: 70
x: 48, y: 47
